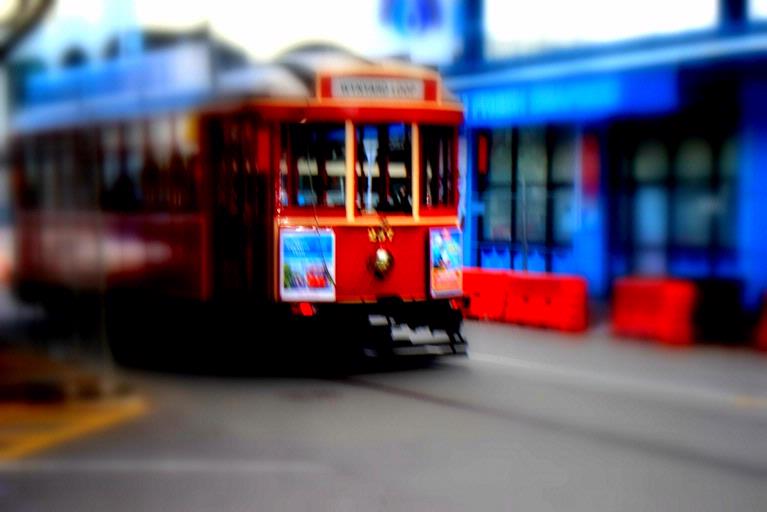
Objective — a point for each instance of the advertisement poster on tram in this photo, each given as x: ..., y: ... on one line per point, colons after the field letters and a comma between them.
x: 446, y: 270
x: 308, y: 264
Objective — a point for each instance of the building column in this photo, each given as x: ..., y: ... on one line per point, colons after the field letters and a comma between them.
x: 752, y: 189
x: 467, y: 211
x: 589, y: 239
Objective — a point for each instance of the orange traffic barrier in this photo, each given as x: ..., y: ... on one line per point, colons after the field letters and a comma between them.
x: 528, y: 298
x: 547, y: 300
x: 656, y: 308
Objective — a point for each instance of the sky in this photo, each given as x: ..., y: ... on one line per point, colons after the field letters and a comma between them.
x: 524, y: 25
x: 262, y: 28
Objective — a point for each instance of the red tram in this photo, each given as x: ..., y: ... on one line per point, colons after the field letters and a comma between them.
x: 323, y: 196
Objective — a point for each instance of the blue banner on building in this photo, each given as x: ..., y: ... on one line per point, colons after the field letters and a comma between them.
x: 584, y: 98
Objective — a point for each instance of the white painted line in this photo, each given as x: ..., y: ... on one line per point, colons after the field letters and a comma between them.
x: 179, y: 466
x: 604, y: 382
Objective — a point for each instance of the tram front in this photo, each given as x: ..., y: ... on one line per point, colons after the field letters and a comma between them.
x: 368, y: 230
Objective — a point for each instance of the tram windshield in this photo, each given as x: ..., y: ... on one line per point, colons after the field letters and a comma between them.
x: 313, y: 166
x: 383, y: 167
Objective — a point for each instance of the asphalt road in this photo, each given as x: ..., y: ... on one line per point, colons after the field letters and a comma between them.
x: 499, y: 430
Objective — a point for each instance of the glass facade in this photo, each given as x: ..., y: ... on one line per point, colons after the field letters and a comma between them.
x: 673, y: 182
x: 527, y: 197
x: 674, y: 193
x: 653, y: 197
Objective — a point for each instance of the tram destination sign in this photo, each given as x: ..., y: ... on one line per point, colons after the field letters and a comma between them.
x: 377, y: 88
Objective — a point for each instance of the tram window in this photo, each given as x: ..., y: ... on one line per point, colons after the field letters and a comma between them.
x: 54, y: 173
x: 110, y: 140
x: 161, y: 162
x: 383, y: 167
x: 86, y: 169
x: 63, y: 168
x: 30, y: 159
x: 438, y: 166
x: 120, y: 184
x: 182, y: 186
x: 49, y: 157
x: 157, y: 147
x: 313, y: 165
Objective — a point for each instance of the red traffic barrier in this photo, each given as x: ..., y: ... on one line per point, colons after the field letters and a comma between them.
x: 528, y: 298
x: 657, y: 308
x: 486, y: 290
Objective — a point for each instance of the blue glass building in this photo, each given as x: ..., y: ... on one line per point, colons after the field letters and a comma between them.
x: 642, y: 156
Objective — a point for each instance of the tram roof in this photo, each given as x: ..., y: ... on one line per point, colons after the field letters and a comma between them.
x: 183, y: 79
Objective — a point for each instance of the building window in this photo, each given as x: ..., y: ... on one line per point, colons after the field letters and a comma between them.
x: 674, y: 197
x: 497, y: 197
x: 527, y: 191
x: 726, y: 199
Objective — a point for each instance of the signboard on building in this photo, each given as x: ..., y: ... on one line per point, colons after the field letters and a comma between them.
x: 569, y: 99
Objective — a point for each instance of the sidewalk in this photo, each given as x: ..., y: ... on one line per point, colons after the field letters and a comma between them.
x: 38, y: 366
x: 707, y: 374
x: 32, y: 376
x: 46, y: 402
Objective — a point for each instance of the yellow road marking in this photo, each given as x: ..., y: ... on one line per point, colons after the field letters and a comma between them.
x: 29, y: 429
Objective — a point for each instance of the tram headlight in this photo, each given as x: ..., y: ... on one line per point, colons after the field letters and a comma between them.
x: 382, y: 262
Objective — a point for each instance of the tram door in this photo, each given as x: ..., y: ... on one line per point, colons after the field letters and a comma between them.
x: 239, y: 206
